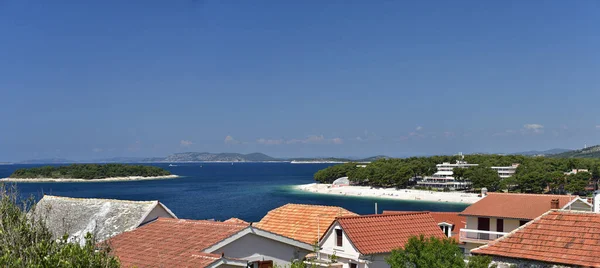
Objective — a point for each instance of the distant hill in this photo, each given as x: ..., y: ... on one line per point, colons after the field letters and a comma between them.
x: 544, y: 153
x: 48, y: 161
x: 213, y: 157
x: 120, y: 160
x: 373, y: 158
x: 589, y: 152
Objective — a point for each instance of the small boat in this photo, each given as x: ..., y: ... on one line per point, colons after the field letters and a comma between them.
x: 171, y: 165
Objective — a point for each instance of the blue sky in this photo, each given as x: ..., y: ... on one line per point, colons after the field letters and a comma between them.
x: 95, y: 79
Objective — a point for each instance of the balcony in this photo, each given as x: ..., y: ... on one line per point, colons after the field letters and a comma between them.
x: 479, y: 236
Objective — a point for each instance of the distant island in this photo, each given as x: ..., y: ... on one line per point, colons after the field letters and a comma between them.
x: 89, y: 172
x: 253, y: 157
x: 589, y: 152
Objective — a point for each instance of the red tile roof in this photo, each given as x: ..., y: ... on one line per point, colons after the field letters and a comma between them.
x: 301, y: 222
x: 453, y: 218
x: 237, y: 221
x: 515, y: 206
x: 560, y: 237
x: 171, y: 243
x: 382, y: 233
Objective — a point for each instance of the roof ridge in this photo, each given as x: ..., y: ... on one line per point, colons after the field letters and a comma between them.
x: 384, y: 215
x: 310, y: 205
x: 204, y: 222
x: 99, y: 199
x: 526, y: 194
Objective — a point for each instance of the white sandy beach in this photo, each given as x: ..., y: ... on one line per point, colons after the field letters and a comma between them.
x: 131, y: 178
x: 391, y: 193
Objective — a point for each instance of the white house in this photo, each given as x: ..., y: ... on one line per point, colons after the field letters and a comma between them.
x: 201, y: 243
x: 365, y: 241
x: 498, y: 214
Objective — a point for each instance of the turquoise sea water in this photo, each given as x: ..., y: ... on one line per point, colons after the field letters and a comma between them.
x: 221, y: 190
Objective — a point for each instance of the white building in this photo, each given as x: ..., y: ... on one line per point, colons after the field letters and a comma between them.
x: 444, y: 177
x: 365, y: 241
x: 505, y: 172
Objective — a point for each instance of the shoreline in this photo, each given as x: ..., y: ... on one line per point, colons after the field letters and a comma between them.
x: 390, y: 193
x: 110, y: 179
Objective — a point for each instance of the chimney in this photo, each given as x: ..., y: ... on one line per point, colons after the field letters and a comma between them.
x: 554, y: 204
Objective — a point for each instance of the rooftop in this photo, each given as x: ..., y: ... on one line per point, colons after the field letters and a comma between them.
x: 372, y: 234
x: 102, y: 217
x: 237, y: 221
x: 172, y: 243
x: 559, y: 237
x: 306, y: 223
x: 453, y: 218
x: 515, y: 206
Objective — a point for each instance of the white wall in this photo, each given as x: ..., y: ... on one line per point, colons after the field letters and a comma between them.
x: 328, y: 245
x: 509, y: 224
x: 252, y: 247
x: 156, y: 212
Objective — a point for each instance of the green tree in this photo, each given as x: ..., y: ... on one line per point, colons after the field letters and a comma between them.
x: 421, y: 252
x: 476, y: 261
x: 576, y: 183
x: 507, y: 183
x: 482, y: 176
x: 25, y: 241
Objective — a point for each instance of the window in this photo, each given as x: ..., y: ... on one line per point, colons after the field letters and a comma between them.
x: 338, y: 234
x: 521, y: 223
x: 499, y: 225
x: 353, y: 265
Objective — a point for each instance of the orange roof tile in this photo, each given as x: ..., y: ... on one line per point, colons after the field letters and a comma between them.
x: 237, y: 221
x: 458, y: 221
x: 382, y: 233
x: 515, y: 206
x: 171, y: 243
x: 560, y: 237
x: 301, y: 222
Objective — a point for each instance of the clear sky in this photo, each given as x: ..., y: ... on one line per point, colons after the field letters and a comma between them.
x: 96, y: 79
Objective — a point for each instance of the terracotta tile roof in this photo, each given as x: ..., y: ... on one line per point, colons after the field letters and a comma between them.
x: 382, y: 233
x: 458, y: 221
x: 560, y: 237
x: 171, y: 243
x: 237, y: 221
x: 301, y: 222
x: 515, y: 206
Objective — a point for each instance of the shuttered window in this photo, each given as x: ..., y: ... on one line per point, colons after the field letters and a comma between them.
x: 338, y: 234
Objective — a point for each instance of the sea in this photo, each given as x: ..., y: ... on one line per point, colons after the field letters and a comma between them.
x: 223, y: 190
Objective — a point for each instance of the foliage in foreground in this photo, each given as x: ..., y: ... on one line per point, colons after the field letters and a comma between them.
x: 89, y: 171
x: 421, y: 252
x: 25, y: 241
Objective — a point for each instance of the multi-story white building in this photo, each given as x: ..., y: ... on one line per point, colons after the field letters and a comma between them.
x: 505, y: 172
x: 444, y: 177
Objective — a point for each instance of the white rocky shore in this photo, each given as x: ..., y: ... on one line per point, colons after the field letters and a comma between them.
x: 130, y: 178
x: 391, y: 193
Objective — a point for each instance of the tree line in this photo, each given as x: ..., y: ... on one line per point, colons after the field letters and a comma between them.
x: 534, y: 174
x: 89, y: 171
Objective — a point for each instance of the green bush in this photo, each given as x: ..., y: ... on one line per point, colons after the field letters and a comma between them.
x: 25, y: 241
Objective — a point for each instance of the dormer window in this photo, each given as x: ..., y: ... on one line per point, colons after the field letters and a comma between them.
x: 338, y: 236
x: 446, y: 228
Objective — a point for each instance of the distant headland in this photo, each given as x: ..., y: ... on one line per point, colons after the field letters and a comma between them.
x: 88, y: 173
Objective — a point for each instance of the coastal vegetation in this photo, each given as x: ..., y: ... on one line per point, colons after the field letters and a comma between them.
x: 89, y: 171
x: 534, y: 174
x: 422, y: 252
x: 25, y: 241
